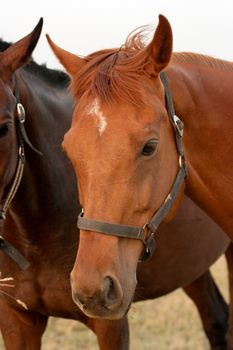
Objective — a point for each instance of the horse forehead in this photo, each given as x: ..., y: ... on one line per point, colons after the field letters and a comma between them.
x: 112, y: 115
x: 94, y: 109
x: 114, y: 121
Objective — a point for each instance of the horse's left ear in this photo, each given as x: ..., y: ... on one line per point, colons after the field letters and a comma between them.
x: 70, y: 61
x: 16, y: 55
x: 160, y: 49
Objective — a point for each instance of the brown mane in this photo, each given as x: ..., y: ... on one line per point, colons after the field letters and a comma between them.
x: 115, y: 73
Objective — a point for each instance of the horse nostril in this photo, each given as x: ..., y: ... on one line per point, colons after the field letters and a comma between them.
x: 112, y: 292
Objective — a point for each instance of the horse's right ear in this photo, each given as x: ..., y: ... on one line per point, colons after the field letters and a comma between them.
x: 72, y: 63
x: 18, y: 54
x: 159, y: 51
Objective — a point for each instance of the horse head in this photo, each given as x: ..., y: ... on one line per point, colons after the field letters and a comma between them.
x: 122, y: 147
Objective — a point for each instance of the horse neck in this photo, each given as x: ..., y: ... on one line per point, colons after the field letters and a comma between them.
x: 202, y: 99
x: 47, y: 193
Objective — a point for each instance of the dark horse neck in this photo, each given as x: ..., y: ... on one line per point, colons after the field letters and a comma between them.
x: 44, y: 208
x: 202, y: 92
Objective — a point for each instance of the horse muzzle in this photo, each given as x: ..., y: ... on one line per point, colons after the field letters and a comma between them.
x: 108, y: 302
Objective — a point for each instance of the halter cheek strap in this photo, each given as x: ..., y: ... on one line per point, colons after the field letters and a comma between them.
x: 22, y: 138
x: 141, y: 233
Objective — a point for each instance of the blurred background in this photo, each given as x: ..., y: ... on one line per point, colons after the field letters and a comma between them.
x: 86, y: 26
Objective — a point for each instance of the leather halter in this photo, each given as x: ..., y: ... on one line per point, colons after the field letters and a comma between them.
x: 134, y: 232
x: 22, y: 137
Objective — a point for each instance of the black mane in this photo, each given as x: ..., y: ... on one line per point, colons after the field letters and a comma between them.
x: 4, y: 45
x: 54, y: 77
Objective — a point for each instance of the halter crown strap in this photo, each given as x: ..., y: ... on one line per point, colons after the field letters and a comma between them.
x: 134, y: 232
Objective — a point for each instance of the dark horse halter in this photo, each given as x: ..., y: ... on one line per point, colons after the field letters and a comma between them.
x: 139, y: 232
x: 22, y: 137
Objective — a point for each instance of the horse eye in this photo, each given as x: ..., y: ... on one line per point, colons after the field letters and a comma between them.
x: 4, y: 130
x: 149, y: 148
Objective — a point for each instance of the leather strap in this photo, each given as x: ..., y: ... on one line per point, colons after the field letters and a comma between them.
x: 22, y: 137
x: 13, y: 253
x: 110, y: 229
x: 169, y: 201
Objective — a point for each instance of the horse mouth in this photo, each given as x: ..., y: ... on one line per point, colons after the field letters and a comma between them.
x: 99, y: 310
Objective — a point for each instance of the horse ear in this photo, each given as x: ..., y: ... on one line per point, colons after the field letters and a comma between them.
x: 71, y: 62
x: 160, y: 49
x: 16, y: 55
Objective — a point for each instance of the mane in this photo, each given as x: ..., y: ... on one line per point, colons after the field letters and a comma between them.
x: 115, y: 73
x: 198, y: 59
x: 53, y: 77
x: 4, y: 45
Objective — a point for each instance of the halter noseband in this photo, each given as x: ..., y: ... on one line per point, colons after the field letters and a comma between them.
x: 22, y: 137
x: 134, y: 232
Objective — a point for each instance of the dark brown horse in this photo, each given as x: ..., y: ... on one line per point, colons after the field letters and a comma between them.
x: 41, y: 219
x: 126, y: 146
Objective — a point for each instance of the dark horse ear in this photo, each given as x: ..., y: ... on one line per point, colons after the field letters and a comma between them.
x: 160, y: 48
x: 19, y: 53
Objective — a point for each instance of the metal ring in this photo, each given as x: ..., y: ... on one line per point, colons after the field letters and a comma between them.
x: 21, y: 112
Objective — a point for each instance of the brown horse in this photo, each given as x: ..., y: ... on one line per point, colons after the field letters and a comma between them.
x: 125, y: 154
x: 41, y: 219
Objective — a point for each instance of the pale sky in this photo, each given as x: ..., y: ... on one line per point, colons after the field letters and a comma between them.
x: 84, y: 26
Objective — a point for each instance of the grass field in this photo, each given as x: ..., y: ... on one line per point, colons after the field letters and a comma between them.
x: 168, y: 323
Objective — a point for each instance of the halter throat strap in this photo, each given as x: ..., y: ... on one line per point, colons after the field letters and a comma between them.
x: 141, y: 233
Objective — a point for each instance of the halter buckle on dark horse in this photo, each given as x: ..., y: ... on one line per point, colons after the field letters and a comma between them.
x: 20, y: 112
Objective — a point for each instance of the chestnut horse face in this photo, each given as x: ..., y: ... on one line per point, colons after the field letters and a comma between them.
x: 121, y: 144
x: 11, y: 116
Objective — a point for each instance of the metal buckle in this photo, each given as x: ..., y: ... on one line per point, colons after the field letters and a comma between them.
x: 2, y: 217
x: 150, y: 246
x: 141, y: 234
x: 2, y: 242
x: 21, y: 112
x: 179, y: 125
x: 182, y: 163
x: 21, y: 152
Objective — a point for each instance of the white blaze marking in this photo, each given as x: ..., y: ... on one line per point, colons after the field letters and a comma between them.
x: 95, y: 109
